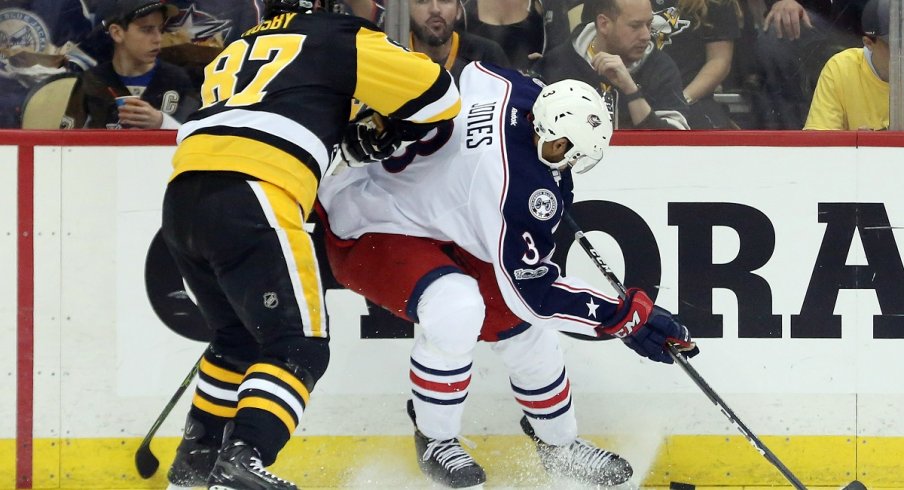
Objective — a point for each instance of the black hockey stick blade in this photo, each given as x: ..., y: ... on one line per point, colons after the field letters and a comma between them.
x: 854, y: 485
x: 145, y: 461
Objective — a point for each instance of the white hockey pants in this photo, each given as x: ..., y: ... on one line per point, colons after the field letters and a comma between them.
x: 450, y: 314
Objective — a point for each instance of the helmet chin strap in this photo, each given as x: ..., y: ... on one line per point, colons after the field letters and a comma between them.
x: 587, y: 167
x: 570, y: 159
x: 549, y: 164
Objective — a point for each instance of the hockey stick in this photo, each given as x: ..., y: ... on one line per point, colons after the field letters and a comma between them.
x: 145, y: 460
x: 683, y: 362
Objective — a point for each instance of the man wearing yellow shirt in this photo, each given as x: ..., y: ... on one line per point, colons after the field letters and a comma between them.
x: 852, y: 92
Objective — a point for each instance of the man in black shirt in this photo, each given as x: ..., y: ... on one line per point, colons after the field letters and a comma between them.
x: 615, y: 54
x: 432, y: 33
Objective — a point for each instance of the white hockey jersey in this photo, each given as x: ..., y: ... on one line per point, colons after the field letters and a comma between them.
x: 477, y: 182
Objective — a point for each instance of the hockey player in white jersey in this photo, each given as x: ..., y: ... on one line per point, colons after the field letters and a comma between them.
x: 455, y: 232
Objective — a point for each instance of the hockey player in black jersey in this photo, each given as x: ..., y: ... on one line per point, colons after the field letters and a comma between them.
x: 246, y: 171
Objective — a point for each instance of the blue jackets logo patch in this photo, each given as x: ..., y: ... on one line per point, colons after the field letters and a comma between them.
x: 543, y: 204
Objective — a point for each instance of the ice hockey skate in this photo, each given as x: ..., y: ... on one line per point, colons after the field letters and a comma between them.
x: 580, y: 461
x: 194, y: 458
x: 444, y: 461
x: 239, y: 467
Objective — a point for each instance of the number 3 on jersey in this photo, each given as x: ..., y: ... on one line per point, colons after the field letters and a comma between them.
x: 221, y: 75
x: 532, y: 256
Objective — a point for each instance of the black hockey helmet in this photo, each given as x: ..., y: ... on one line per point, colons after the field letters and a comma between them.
x: 280, y: 6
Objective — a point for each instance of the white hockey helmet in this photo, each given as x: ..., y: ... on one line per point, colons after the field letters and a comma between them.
x: 574, y: 110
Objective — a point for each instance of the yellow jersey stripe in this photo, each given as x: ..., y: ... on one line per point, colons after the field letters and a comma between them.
x: 286, y: 219
x: 260, y: 160
x: 275, y: 390
x: 220, y: 374
x: 389, y: 77
x: 212, y: 408
x: 269, y: 406
x: 284, y: 376
x: 307, y: 282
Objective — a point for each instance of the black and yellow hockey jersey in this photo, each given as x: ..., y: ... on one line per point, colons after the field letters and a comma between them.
x: 274, y: 101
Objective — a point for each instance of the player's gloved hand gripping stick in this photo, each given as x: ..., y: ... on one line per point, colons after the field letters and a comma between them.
x: 648, y: 329
x: 675, y: 352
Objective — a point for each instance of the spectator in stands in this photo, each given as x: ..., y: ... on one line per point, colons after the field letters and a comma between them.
x: 853, y: 91
x: 798, y: 37
x: 432, y: 33
x: 197, y: 34
x: 561, y: 17
x: 615, y: 54
x: 524, y: 28
x: 699, y: 35
x: 213, y: 23
x: 163, y: 93
x: 38, y: 40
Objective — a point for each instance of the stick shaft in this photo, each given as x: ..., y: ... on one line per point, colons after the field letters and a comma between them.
x: 145, y: 461
x: 683, y: 362
x: 595, y: 256
x: 729, y: 413
x: 172, y: 402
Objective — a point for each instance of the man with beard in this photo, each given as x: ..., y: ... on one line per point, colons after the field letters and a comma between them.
x: 432, y: 33
x: 614, y: 53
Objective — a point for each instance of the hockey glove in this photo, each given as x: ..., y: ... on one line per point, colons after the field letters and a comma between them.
x: 369, y: 138
x: 631, y: 314
x: 661, y: 329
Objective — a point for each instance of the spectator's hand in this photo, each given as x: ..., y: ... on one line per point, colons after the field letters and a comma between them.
x: 613, y: 68
x: 786, y: 17
x: 661, y: 329
x: 534, y: 56
x: 137, y: 113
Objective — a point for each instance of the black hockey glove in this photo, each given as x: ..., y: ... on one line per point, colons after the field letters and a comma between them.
x: 370, y: 137
x: 661, y: 329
